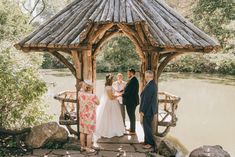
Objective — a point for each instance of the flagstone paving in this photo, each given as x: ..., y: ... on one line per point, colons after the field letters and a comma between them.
x: 125, y: 146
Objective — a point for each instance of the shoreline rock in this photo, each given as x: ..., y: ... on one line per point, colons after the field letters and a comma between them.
x: 209, y: 151
x: 48, y: 132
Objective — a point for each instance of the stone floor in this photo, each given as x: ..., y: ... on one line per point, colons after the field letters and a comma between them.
x: 126, y: 146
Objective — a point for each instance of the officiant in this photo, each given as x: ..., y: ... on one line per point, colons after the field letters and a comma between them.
x: 118, y: 87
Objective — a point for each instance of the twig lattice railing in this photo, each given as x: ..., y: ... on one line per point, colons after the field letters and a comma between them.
x: 167, y: 106
x: 166, y: 118
x: 68, y: 114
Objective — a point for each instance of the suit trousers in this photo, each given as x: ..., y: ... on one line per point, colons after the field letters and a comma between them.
x: 131, y: 113
x: 123, y: 111
x: 148, y: 134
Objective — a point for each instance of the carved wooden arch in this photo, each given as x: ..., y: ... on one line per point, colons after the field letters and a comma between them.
x: 122, y: 32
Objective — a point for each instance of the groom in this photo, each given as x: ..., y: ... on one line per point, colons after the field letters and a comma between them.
x: 131, y: 98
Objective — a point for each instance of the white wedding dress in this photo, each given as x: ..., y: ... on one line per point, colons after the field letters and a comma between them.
x: 109, y: 121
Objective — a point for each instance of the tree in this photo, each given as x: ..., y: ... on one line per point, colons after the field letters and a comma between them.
x: 118, y: 54
x: 20, y: 88
x: 41, y: 10
x: 216, y: 17
x: 34, y: 8
x: 21, y: 91
x: 13, y: 23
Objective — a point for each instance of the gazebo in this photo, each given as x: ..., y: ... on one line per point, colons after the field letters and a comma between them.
x: 158, y: 32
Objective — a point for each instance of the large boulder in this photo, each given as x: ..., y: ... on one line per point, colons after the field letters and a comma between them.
x: 209, y: 151
x: 49, y: 132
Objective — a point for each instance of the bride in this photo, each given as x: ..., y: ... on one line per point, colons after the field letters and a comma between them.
x: 109, y: 121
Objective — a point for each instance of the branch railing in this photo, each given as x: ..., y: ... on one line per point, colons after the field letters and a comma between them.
x: 168, y: 104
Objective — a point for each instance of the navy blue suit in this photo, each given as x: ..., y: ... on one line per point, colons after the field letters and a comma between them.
x: 148, y: 106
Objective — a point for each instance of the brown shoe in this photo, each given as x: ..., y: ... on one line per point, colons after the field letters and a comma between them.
x: 142, y: 143
x: 147, y: 146
x: 132, y: 133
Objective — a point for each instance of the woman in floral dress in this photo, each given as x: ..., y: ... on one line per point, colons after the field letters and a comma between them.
x: 87, y: 115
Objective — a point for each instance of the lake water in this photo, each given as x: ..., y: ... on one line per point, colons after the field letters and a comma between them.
x: 206, y: 112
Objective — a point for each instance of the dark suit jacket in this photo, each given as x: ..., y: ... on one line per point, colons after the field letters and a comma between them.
x: 149, y: 102
x: 131, y: 93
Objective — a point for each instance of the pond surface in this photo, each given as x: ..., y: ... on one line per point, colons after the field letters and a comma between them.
x: 206, y: 112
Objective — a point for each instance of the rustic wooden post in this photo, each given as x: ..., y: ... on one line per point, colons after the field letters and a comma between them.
x: 94, y: 72
x: 142, y: 71
x: 77, y: 59
x: 154, y: 61
x: 87, y: 64
x: 149, y: 60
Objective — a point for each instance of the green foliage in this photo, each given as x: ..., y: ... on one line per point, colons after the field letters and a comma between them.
x: 118, y: 54
x: 216, y: 17
x: 21, y: 90
x: 13, y: 23
x: 50, y: 62
x: 200, y: 63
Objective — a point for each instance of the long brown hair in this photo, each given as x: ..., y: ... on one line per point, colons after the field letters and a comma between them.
x: 109, y: 80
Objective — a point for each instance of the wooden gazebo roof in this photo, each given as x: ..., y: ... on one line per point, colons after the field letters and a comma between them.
x: 153, y: 21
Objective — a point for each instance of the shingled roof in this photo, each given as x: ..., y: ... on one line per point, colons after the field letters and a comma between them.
x: 166, y: 27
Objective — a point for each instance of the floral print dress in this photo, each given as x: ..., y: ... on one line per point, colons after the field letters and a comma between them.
x: 87, y: 112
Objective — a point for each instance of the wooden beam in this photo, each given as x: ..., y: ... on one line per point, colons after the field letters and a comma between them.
x: 86, y: 32
x: 64, y: 61
x: 65, y: 49
x: 78, y: 65
x: 169, y: 50
x: 140, y: 33
x: 167, y: 59
x: 148, y: 35
x: 137, y: 45
x: 106, y: 37
x: 68, y: 48
x: 100, y: 32
x: 131, y: 32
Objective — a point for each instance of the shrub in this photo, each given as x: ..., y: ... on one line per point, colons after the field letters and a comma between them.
x: 21, y: 91
x: 199, y: 63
